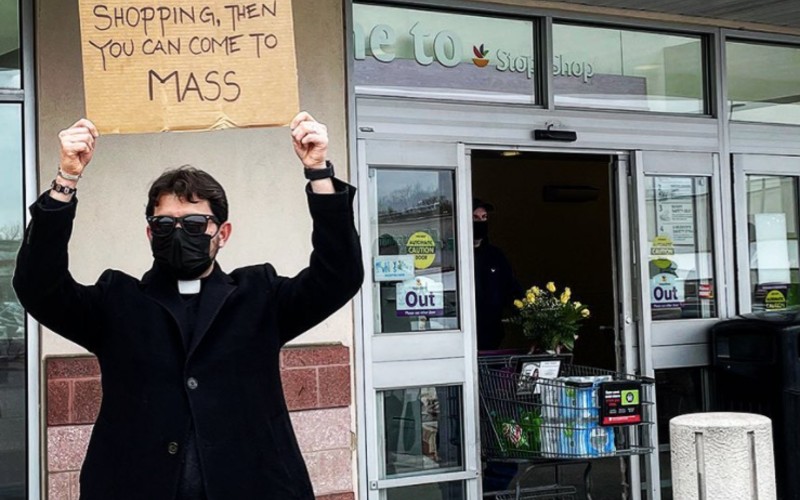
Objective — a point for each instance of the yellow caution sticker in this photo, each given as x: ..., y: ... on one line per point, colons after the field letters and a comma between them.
x: 423, y: 248
x: 775, y: 300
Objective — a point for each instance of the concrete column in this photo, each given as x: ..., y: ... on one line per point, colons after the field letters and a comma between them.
x: 722, y: 456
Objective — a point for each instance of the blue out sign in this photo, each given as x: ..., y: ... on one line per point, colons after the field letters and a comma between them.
x: 420, y: 297
x: 666, y: 291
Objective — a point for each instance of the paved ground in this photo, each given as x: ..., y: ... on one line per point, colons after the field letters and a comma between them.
x: 606, y: 481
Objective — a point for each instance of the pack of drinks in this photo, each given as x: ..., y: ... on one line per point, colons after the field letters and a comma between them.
x: 570, y: 416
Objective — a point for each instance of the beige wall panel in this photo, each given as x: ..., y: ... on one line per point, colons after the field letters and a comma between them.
x: 257, y: 167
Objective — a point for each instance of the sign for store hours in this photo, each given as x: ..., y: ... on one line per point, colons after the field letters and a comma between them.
x: 159, y: 65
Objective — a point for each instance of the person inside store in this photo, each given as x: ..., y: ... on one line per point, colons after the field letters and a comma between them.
x: 495, y: 291
x: 193, y: 407
x: 495, y: 284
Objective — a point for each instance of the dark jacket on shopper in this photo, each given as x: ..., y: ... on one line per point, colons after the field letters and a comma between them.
x: 225, y: 386
x: 495, y: 291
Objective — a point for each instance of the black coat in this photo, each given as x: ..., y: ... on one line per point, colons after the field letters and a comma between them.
x: 495, y: 291
x: 228, y: 381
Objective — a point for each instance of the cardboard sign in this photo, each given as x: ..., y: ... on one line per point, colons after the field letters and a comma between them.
x: 620, y: 403
x: 159, y: 65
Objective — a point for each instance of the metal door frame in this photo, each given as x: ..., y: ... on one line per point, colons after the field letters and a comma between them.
x: 455, y: 369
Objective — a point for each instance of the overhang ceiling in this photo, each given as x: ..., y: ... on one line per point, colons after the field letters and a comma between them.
x: 747, y: 14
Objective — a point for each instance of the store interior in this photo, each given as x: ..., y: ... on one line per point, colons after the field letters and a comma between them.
x: 553, y: 219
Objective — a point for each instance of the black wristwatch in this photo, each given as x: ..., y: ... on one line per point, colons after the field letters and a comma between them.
x: 314, y: 174
x: 60, y: 188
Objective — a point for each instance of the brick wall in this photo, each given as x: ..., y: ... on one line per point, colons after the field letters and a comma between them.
x: 316, y: 383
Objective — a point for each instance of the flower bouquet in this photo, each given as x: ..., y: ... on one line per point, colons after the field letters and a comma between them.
x: 549, y: 319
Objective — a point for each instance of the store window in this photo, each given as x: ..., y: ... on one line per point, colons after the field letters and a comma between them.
x: 415, y: 263
x: 453, y: 490
x: 422, y: 431
x: 424, y: 53
x: 12, y: 318
x: 772, y: 229
x: 680, y: 246
x: 763, y: 82
x: 9, y: 46
x: 629, y: 70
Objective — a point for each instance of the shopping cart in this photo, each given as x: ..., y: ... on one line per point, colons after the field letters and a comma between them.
x: 543, y: 410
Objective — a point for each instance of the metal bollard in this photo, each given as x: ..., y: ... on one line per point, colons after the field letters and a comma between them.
x: 722, y: 456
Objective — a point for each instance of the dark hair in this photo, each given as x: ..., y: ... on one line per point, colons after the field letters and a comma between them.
x: 192, y: 185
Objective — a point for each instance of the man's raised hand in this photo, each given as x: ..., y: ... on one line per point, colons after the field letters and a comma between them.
x: 310, y: 140
x: 77, y: 146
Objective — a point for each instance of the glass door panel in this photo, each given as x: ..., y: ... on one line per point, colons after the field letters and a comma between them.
x: 419, y: 394
x: 767, y: 231
x: 772, y: 236
x: 414, y: 258
x: 680, y: 247
x: 13, y: 434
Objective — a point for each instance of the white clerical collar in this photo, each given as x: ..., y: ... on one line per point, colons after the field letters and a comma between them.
x: 188, y: 287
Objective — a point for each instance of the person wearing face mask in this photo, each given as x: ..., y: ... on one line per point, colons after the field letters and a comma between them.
x: 193, y: 406
x: 495, y: 285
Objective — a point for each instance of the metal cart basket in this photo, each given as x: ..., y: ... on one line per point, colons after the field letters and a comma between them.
x: 540, y: 409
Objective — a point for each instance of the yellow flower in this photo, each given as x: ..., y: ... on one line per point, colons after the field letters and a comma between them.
x: 519, y: 304
x: 585, y: 313
x: 564, y: 298
x: 531, y: 298
x: 551, y: 287
x: 577, y: 305
x: 567, y: 291
x: 536, y: 291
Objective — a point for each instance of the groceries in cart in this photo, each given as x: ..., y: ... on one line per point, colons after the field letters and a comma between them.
x: 541, y: 407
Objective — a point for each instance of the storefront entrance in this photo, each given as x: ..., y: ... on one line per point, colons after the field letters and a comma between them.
x: 554, y: 221
x: 560, y: 217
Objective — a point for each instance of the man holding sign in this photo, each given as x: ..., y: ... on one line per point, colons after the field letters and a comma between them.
x: 193, y: 406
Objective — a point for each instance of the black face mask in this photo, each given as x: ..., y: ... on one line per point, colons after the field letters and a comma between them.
x: 480, y: 229
x: 185, y: 256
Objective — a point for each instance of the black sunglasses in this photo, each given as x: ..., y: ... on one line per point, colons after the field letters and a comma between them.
x: 194, y: 224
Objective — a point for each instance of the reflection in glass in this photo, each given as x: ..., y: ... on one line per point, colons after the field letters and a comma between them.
x: 12, y: 326
x: 631, y: 70
x: 678, y: 392
x: 422, y: 430
x: 9, y: 45
x: 680, y: 248
x: 772, y: 229
x: 763, y: 82
x: 425, y: 53
x: 438, y: 491
x: 414, y: 254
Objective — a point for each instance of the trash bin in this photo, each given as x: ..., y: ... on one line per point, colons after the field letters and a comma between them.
x: 756, y: 368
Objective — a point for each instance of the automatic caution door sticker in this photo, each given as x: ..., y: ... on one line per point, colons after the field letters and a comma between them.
x: 423, y: 248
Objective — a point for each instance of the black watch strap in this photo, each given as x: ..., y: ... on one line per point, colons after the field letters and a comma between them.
x: 60, y: 188
x: 314, y: 174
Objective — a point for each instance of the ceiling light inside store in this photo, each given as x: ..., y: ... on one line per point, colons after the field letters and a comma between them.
x: 510, y: 153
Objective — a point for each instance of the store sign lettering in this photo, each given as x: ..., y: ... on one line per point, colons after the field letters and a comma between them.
x: 448, y: 49
x: 517, y: 64
x: 575, y: 69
